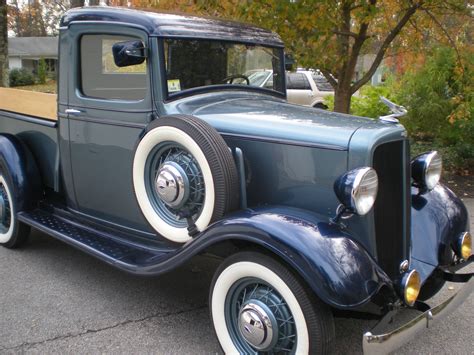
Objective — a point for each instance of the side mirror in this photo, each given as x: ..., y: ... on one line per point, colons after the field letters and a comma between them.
x: 129, y: 53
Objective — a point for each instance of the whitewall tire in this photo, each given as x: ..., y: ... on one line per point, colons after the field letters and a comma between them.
x: 254, y: 285
x: 183, y: 166
x: 13, y: 234
x: 6, y: 229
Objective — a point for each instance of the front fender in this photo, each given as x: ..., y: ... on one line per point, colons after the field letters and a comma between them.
x: 338, y: 269
x: 438, y: 218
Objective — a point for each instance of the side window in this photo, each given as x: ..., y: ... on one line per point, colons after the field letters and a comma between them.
x: 101, y: 78
x: 297, y: 81
x: 322, y: 83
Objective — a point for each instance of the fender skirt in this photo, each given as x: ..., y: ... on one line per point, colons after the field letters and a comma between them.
x: 18, y: 160
x: 339, y: 270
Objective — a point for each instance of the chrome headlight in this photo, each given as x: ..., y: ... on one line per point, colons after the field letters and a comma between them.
x: 464, y: 246
x: 357, y: 189
x: 411, y: 286
x: 426, y: 170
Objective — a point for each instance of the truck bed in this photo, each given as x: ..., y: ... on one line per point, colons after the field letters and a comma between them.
x: 38, y: 133
x: 29, y: 103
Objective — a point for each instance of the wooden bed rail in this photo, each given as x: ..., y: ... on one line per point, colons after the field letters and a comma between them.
x: 29, y: 103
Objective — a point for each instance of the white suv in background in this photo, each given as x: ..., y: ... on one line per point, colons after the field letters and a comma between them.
x: 307, y: 88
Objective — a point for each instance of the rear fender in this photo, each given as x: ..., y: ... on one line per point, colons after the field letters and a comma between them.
x: 339, y: 270
x: 18, y: 160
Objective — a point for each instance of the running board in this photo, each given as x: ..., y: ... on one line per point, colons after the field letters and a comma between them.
x: 113, y: 250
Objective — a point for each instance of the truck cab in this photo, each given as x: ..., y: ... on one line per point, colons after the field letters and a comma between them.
x: 161, y: 148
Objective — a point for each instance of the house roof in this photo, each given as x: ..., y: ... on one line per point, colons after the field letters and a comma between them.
x: 33, y: 47
x: 173, y: 25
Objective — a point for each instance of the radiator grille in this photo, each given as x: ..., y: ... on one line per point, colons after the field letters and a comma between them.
x: 392, y: 207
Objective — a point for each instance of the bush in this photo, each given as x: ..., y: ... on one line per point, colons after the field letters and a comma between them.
x: 440, y: 102
x: 20, y: 77
x: 367, y: 102
x: 42, y: 71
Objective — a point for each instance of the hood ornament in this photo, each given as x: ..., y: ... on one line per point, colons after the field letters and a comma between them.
x: 397, y: 111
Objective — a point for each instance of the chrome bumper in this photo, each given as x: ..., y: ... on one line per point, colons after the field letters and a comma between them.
x: 385, y: 343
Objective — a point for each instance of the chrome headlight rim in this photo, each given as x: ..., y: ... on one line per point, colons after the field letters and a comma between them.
x: 420, y: 170
x: 348, y: 188
x: 411, y: 280
x: 464, y: 246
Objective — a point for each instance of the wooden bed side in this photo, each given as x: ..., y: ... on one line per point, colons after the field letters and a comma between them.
x: 29, y: 103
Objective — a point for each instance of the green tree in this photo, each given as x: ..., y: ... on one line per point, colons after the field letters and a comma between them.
x: 332, y: 35
x: 439, y: 97
x: 42, y: 71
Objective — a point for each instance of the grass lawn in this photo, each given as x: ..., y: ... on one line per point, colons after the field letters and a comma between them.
x: 49, y: 87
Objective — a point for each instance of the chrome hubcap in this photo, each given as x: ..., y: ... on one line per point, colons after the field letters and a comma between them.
x: 256, y: 327
x: 171, y: 184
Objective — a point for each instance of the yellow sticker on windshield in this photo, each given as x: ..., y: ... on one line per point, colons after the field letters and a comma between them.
x: 174, y: 85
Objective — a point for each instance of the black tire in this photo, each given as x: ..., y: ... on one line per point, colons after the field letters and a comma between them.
x: 313, y: 317
x: 16, y: 233
x: 431, y: 287
x: 321, y: 106
x: 220, y: 162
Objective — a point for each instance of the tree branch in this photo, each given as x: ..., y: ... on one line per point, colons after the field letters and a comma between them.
x: 446, y: 33
x: 345, y: 33
x: 329, y: 77
x: 386, y: 43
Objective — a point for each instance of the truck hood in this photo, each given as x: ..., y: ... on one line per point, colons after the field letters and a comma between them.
x: 264, y: 117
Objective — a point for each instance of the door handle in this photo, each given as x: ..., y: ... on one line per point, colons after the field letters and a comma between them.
x: 72, y: 111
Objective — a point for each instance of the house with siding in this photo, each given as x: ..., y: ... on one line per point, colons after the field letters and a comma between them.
x: 25, y: 52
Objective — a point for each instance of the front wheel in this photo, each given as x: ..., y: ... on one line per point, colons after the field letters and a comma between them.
x: 259, y: 306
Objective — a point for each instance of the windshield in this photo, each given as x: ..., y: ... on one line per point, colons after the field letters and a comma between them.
x: 205, y: 63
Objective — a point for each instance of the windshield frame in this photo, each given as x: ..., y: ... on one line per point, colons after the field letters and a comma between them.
x: 167, y: 97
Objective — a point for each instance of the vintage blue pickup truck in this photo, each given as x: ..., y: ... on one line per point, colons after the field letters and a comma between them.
x: 161, y: 149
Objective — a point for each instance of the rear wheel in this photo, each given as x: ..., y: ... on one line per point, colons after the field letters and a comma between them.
x: 13, y: 234
x: 259, y: 306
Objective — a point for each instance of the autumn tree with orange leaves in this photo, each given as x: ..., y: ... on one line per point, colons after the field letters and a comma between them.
x: 332, y: 35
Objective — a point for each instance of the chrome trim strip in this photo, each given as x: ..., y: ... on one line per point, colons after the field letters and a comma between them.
x: 385, y: 343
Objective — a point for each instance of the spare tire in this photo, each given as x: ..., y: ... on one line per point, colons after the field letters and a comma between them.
x: 183, y: 169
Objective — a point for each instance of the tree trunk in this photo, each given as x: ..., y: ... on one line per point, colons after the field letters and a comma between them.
x: 94, y: 2
x: 3, y: 44
x: 77, y: 3
x: 342, y: 99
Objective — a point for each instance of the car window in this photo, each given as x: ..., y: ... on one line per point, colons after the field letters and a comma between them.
x: 101, y: 78
x: 322, y: 83
x: 297, y: 81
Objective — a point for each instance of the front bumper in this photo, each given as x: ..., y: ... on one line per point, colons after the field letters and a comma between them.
x: 386, y: 342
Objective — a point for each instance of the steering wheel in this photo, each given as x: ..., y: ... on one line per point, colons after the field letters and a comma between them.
x: 230, y: 79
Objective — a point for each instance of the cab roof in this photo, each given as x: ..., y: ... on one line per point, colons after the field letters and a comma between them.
x: 173, y: 25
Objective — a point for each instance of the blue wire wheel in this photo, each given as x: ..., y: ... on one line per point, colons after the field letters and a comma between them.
x: 184, y: 175
x: 259, y: 306
x: 252, y: 301
x: 191, y: 203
